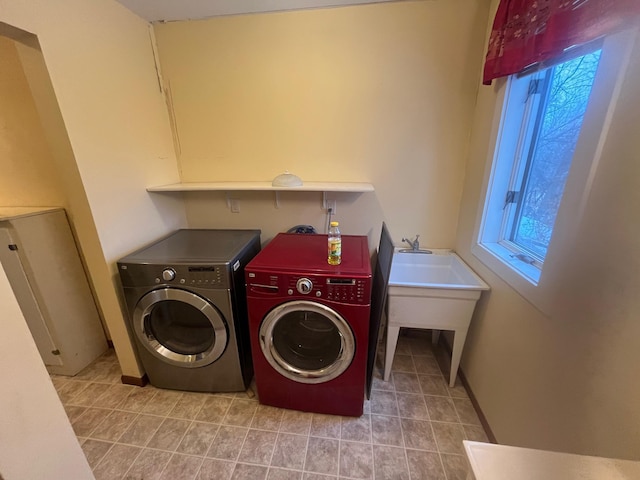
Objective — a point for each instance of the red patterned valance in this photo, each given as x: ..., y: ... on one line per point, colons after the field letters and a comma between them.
x: 526, y: 32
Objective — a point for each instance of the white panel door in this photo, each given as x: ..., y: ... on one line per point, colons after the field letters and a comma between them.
x: 26, y: 299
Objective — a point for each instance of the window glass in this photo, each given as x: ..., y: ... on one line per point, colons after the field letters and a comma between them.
x: 564, y: 92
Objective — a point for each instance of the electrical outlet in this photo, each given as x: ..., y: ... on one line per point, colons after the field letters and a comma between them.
x: 331, y: 205
x: 234, y: 205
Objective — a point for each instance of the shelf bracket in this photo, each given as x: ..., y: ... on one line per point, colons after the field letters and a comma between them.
x: 276, y: 199
x: 324, y: 201
x: 228, y: 198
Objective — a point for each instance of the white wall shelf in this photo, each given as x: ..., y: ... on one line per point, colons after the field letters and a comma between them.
x: 324, y: 187
x: 263, y: 186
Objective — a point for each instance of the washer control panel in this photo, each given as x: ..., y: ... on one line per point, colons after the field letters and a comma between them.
x: 347, y: 290
x: 352, y: 290
x: 344, y: 290
x: 304, y: 285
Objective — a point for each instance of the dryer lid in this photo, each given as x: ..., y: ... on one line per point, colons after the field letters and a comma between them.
x: 196, y: 246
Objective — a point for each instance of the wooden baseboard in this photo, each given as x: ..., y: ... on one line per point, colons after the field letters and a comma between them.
x: 472, y: 397
x: 137, y: 381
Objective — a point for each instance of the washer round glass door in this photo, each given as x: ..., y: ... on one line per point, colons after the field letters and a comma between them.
x: 307, y: 342
x: 180, y: 327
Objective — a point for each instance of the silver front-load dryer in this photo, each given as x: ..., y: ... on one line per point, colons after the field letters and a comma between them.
x: 185, y: 297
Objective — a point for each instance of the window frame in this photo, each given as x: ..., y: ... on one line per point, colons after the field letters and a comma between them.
x: 533, y: 283
x: 521, y: 163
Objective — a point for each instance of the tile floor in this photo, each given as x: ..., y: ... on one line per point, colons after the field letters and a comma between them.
x: 412, y: 428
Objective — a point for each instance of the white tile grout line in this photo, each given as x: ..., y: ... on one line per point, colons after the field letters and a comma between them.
x: 373, y: 458
x: 144, y: 447
x: 168, y: 415
x: 216, y: 435
x: 116, y: 442
x: 177, y: 445
x: 306, y: 449
x: 404, y: 447
x: 244, y: 440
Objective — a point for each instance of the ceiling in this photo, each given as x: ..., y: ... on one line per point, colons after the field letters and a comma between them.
x: 168, y: 10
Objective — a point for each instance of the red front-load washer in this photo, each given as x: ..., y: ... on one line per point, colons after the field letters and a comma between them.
x: 309, y: 323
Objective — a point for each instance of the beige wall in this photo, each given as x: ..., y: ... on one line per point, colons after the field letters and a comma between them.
x: 377, y: 93
x: 29, y: 176
x: 107, y: 126
x: 564, y: 380
x: 37, y: 440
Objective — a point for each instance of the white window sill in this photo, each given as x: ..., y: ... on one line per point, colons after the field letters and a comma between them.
x: 520, y: 275
x: 506, y: 256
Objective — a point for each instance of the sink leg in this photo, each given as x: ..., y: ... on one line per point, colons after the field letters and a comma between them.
x: 392, y: 341
x: 458, y: 342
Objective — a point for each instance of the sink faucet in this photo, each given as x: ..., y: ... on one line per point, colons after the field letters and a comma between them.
x: 415, y: 244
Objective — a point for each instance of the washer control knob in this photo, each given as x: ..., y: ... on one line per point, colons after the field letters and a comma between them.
x: 168, y: 274
x: 304, y: 285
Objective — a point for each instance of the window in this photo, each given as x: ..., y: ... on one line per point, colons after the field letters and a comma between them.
x: 551, y: 123
x: 556, y: 100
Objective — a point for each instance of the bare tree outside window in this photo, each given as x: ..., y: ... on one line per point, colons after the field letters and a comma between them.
x: 566, y: 95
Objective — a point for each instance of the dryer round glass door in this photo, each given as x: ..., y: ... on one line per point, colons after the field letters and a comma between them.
x: 307, y: 342
x: 180, y: 327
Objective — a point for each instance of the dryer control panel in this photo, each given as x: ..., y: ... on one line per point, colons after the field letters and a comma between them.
x: 200, y: 276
